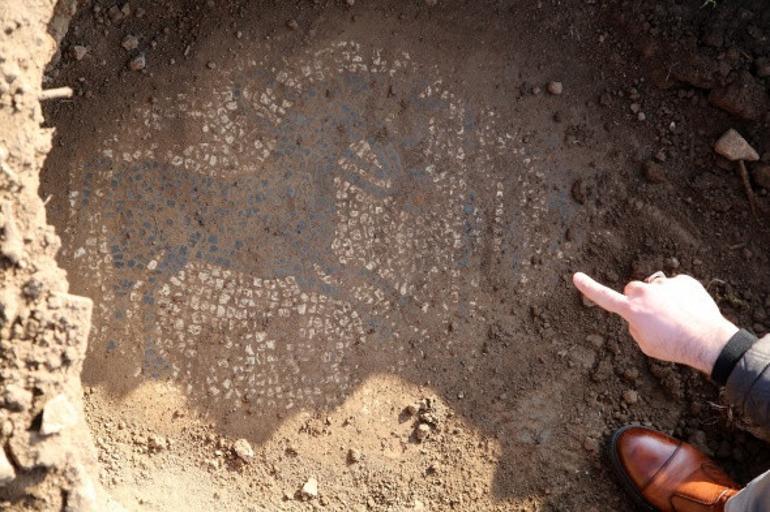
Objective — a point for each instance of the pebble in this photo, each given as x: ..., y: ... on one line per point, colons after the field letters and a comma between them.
x: 630, y: 396
x: 32, y: 289
x: 17, y: 398
x: 595, y: 340
x: 156, y: 443
x: 672, y: 263
x: 555, y: 88
x: 310, y: 489
x: 654, y: 172
x: 351, y: 3
x: 243, y: 450
x: 211, y: 64
x: 745, y: 97
x: 354, y: 455
x: 130, y: 43
x: 58, y: 414
x: 422, y: 431
x: 630, y: 375
x: 292, y: 24
x: 7, y: 473
x: 78, y: 51
x: 591, y: 445
x: 138, y: 63
x: 733, y: 146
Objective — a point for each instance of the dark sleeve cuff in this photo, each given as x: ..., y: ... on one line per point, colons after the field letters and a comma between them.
x: 736, y: 347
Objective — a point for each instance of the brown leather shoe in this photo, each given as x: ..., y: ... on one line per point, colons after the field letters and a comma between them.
x: 666, y: 475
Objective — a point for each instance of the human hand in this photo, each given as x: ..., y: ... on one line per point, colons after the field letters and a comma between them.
x: 673, y: 319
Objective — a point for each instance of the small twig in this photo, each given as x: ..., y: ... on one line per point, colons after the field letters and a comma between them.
x: 747, y: 187
x: 58, y: 92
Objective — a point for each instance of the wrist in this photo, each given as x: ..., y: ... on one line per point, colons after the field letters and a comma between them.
x: 714, y: 344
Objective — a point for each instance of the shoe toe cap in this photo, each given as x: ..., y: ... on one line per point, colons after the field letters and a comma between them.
x: 642, y: 453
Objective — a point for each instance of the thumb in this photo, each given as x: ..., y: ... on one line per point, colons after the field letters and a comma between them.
x: 606, y: 298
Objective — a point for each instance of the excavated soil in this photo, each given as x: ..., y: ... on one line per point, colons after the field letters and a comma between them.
x: 344, y: 233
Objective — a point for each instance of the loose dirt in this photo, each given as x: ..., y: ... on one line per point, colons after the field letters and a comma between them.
x: 329, y: 244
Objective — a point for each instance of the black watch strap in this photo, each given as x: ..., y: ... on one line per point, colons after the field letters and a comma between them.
x: 738, y: 345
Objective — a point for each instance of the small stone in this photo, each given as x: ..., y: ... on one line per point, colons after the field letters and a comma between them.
x: 654, y: 172
x: 630, y: 396
x: 17, y: 398
x: 130, y: 43
x: 745, y: 97
x: 641, y: 116
x: 591, y: 445
x: 733, y: 146
x: 211, y: 64
x: 672, y: 263
x: 78, y: 51
x: 309, y: 491
x: 630, y: 374
x: 58, y: 414
x: 138, y: 63
x: 32, y: 289
x: 555, y: 88
x: 635, y: 108
x: 411, y: 409
x: 243, y: 450
x: 7, y: 473
x: 422, y: 431
x: 156, y: 443
x: 116, y: 15
x: 292, y: 24
x: 354, y: 456
x: 761, y: 175
x: 351, y: 3
x: 587, y: 302
x: 595, y: 340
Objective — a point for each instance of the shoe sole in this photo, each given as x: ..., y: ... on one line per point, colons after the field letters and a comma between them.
x: 620, y: 473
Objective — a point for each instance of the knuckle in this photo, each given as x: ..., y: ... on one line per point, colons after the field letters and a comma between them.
x: 634, y: 288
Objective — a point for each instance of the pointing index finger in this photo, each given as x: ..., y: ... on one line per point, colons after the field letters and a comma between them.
x: 605, y: 297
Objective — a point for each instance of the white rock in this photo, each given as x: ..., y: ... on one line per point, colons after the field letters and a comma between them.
x: 138, y: 63
x: 422, y: 431
x: 79, y: 52
x: 17, y: 398
x: 733, y: 146
x: 130, y: 43
x: 310, y: 489
x: 58, y: 414
x: 7, y: 473
x: 555, y: 88
x: 243, y: 450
